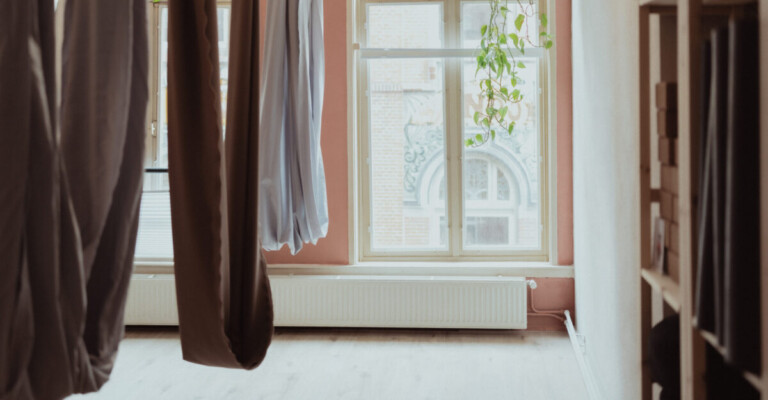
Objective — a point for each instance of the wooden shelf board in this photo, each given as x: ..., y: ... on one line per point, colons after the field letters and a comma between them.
x: 712, y: 340
x: 728, y: 2
x: 668, y: 288
x: 706, y: 3
x: 658, y: 2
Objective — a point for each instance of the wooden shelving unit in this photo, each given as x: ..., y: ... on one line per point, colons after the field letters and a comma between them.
x: 669, y: 289
x: 679, y: 294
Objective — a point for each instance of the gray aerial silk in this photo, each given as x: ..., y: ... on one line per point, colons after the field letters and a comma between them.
x: 70, y: 189
x: 293, y: 208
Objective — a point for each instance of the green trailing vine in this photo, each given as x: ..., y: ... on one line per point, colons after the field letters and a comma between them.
x: 498, y: 67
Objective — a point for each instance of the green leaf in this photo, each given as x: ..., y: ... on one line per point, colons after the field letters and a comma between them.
x: 513, y: 81
x: 503, y: 112
x: 511, y: 128
x: 543, y: 19
x: 516, y: 94
x: 479, y: 137
x: 503, y: 57
x: 476, y: 117
x: 493, y: 134
x: 469, y: 142
x: 503, y: 91
x: 514, y: 38
x: 542, y: 34
x: 548, y: 44
x: 520, y: 64
x: 503, y: 39
x: 483, y: 29
x: 519, y: 21
x: 485, y: 122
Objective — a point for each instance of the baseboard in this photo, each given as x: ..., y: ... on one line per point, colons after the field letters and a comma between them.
x: 578, y: 342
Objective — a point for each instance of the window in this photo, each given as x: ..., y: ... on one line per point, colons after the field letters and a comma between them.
x: 154, y: 241
x: 422, y: 193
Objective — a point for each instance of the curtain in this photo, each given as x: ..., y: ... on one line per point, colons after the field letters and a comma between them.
x: 70, y: 189
x: 705, y: 278
x: 293, y: 209
x: 728, y: 287
x: 223, y: 293
x: 712, y: 208
x: 718, y: 129
x: 742, y: 215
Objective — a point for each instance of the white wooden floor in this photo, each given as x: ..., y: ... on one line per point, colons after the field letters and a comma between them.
x: 357, y: 364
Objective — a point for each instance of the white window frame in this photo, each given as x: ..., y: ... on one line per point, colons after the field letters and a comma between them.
x: 360, y: 233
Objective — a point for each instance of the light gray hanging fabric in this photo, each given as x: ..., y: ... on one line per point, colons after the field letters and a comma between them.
x: 69, y: 191
x: 293, y: 208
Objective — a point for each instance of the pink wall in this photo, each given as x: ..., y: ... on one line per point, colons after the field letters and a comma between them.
x: 333, y: 248
x: 551, y: 294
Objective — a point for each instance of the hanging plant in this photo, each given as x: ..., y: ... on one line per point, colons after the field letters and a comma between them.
x: 497, y: 64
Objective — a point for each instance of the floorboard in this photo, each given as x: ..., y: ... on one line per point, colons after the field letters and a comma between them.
x: 356, y: 364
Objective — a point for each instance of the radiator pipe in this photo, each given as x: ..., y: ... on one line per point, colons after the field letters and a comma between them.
x: 556, y: 314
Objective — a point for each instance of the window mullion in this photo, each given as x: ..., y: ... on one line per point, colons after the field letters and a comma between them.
x: 453, y: 149
x: 453, y: 126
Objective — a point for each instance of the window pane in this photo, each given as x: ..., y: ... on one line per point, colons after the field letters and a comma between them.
x: 398, y: 25
x: 407, y: 154
x: 502, y: 186
x: 502, y: 203
x: 477, y: 180
x: 475, y: 14
x: 488, y: 230
x: 154, y: 237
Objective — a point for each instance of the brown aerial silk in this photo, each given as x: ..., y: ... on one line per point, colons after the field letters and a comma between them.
x: 70, y: 189
x: 224, y: 300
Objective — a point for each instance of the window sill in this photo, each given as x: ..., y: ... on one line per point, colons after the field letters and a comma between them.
x: 400, y: 268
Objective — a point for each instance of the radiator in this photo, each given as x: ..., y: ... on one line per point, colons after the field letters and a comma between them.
x: 362, y: 301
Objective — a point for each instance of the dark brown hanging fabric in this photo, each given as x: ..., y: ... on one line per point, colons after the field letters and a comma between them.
x: 69, y: 202
x: 224, y: 300
x: 251, y: 299
x: 16, y: 322
x: 742, y: 214
x: 718, y: 126
x: 705, y: 301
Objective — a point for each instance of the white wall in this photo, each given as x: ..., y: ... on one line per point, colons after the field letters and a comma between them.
x: 606, y: 168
